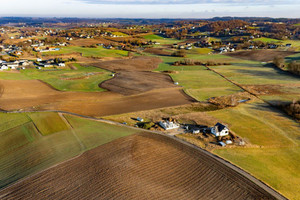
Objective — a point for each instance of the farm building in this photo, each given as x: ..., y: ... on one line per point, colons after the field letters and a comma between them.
x: 167, y: 125
x: 219, y: 130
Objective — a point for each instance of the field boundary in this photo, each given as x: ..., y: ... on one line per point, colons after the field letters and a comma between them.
x: 239, y: 170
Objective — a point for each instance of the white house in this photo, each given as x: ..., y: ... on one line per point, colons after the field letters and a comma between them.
x: 38, y: 59
x: 61, y: 64
x: 168, y: 125
x: 219, y: 130
x: 3, y: 67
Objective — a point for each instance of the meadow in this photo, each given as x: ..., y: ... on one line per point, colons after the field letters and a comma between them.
x: 88, y: 52
x: 161, y: 40
x: 84, y: 79
x: 255, y: 74
x: 273, y: 155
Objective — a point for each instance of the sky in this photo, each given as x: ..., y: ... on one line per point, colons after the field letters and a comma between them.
x: 150, y: 8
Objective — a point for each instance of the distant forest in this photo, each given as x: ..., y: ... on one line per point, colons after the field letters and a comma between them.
x: 34, y: 21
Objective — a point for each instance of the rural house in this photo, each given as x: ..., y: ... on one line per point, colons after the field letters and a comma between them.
x: 167, y: 125
x: 219, y: 130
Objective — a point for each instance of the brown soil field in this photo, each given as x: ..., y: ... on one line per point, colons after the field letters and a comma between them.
x: 141, y: 166
x: 36, y: 95
x: 158, y: 51
x: 135, y: 82
x: 140, y: 63
x: 259, y: 55
x: 88, y: 42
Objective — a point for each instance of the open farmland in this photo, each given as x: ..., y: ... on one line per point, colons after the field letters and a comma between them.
x: 130, y: 82
x: 161, y: 40
x: 35, y: 95
x: 260, y: 55
x: 255, y: 74
x: 84, y: 78
x: 141, y: 166
x: 273, y: 155
x: 44, y: 123
x: 140, y: 63
x: 88, y: 42
x: 25, y: 150
x: 85, y: 51
x: 203, y: 84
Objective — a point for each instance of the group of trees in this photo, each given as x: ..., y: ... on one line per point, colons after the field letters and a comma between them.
x: 293, y: 109
x: 196, y: 62
x: 293, y: 67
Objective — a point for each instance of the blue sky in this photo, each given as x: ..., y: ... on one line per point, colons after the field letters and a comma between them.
x: 150, y: 8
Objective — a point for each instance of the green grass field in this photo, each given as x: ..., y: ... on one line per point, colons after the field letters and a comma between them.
x: 275, y: 156
x: 201, y: 50
x: 9, y: 121
x: 93, y: 133
x: 48, y: 122
x: 96, y: 52
x: 203, y: 84
x: 267, y: 40
x: 84, y: 79
x: 6, y: 75
x: 25, y: 151
x: 255, y: 74
x: 161, y: 39
x: 119, y: 34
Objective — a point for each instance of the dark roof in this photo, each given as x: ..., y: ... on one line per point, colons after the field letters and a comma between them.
x: 220, y: 126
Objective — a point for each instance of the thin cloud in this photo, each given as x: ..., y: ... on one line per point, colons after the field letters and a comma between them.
x: 237, y: 2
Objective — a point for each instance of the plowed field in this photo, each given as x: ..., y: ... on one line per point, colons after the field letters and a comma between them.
x: 260, y: 55
x: 135, y: 82
x: 142, y: 166
x: 140, y: 63
x: 36, y: 95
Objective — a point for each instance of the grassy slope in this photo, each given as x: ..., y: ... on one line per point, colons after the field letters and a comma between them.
x: 198, y: 82
x: 48, y: 123
x: 161, y: 40
x: 275, y: 158
x: 93, y: 133
x: 96, y: 52
x: 202, y: 84
x: 25, y: 151
x: 251, y: 73
x: 59, y: 79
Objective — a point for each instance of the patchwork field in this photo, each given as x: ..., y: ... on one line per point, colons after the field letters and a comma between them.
x: 35, y: 95
x: 140, y: 166
x: 25, y: 150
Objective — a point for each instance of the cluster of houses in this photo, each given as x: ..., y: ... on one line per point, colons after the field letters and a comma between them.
x: 187, y: 46
x: 11, y: 50
x: 49, y: 63
x: 219, y: 130
x: 21, y: 64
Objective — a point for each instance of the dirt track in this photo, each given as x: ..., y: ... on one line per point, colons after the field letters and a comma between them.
x: 136, y: 82
x: 140, y: 63
x: 36, y: 95
x: 142, y: 166
x: 260, y: 55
